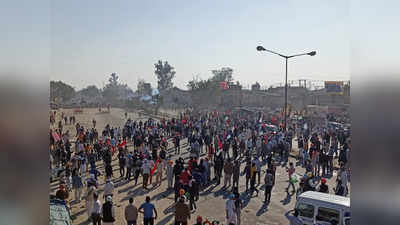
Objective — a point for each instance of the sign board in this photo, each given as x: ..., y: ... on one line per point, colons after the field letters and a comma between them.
x: 334, y: 87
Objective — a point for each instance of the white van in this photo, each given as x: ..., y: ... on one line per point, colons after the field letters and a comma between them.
x: 320, y: 208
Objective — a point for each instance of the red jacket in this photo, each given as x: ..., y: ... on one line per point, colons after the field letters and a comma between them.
x: 185, y: 177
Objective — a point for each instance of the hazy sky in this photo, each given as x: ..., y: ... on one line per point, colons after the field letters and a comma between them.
x: 93, y: 38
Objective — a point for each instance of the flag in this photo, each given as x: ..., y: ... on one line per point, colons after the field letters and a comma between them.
x: 223, y: 85
x: 154, y: 169
x: 219, y: 144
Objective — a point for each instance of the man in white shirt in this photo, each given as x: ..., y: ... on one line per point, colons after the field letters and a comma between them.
x: 146, y: 167
x: 231, y: 211
x: 108, y: 189
x: 96, y: 210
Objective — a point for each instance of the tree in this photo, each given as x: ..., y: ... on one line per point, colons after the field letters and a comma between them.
x: 194, y: 83
x: 111, y: 91
x: 165, y: 73
x: 60, y: 91
x: 224, y: 74
x: 113, y: 80
x: 90, y: 91
x: 141, y: 86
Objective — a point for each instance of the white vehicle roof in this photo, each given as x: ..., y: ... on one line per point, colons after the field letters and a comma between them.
x: 318, y: 196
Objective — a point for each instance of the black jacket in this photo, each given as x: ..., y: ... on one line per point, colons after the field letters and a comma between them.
x: 107, y: 212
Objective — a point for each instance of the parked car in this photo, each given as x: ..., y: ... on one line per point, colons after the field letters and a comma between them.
x: 320, y: 208
x: 59, y: 212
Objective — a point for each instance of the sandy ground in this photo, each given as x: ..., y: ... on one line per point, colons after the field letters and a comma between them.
x: 212, y: 200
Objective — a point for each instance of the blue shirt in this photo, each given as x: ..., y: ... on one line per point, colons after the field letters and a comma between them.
x: 148, y: 209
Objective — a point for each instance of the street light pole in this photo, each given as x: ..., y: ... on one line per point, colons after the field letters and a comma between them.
x: 261, y: 48
x: 285, y: 95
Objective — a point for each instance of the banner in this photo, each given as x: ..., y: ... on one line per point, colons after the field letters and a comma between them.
x: 334, y: 87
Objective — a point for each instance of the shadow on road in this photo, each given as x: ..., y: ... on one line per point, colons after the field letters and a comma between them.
x: 165, y: 220
x: 162, y: 195
x: 287, y: 199
x: 262, y: 210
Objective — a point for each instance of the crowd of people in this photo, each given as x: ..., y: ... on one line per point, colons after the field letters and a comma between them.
x: 218, y: 143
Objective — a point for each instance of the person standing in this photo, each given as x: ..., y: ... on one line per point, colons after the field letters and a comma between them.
x: 247, y: 170
x: 91, y: 191
x: 258, y: 167
x: 130, y: 161
x: 253, y: 171
x: 160, y: 167
x: 230, y: 207
x: 238, y: 205
x: 228, y: 171
x: 170, y: 174
x: 323, y: 187
x: 331, y: 152
x: 131, y: 213
x: 122, y: 163
x: 324, y: 162
x: 147, y: 210
x: 177, y: 144
x: 108, y: 189
x: 236, y: 176
x: 193, y: 189
x: 182, y: 212
x: 108, y: 171
x: 269, y: 183
x: 96, y: 210
x: 290, y: 170
x: 108, y: 212
x: 77, y: 185
x: 146, y: 167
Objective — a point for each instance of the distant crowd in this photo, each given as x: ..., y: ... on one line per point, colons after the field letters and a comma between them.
x: 219, y: 143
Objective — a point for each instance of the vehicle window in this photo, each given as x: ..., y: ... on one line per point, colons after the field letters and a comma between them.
x: 306, y: 210
x: 326, y: 214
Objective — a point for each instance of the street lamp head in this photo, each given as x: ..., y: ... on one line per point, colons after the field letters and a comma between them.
x: 312, y: 53
x: 260, y: 48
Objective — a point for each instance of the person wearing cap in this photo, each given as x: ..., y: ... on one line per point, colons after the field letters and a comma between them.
x: 309, y: 184
x: 108, y: 212
x: 182, y: 212
x: 199, y: 220
x: 323, y: 187
x: 62, y: 193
